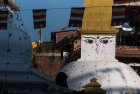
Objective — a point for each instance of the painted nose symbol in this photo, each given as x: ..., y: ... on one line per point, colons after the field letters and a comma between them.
x: 97, y: 47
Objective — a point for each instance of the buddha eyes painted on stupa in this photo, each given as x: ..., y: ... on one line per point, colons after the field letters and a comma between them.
x: 104, y: 40
x: 90, y: 40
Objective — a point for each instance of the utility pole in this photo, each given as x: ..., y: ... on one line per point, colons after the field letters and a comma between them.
x: 40, y: 36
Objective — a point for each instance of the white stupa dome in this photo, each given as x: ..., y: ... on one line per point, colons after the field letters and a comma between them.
x: 16, y: 74
x: 15, y: 49
x: 114, y: 77
x: 98, y: 61
x: 16, y: 58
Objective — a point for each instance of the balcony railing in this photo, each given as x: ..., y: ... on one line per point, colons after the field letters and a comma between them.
x: 128, y: 51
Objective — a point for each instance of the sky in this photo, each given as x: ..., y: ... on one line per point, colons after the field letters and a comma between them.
x: 58, y: 14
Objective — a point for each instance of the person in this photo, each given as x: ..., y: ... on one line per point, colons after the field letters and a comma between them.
x: 61, y: 79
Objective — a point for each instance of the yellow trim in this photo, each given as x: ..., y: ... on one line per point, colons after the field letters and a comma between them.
x: 111, y: 30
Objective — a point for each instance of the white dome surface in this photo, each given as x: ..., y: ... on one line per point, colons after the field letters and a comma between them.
x: 15, y: 50
x: 16, y: 58
x: 16, y: 74
x: 114, y: 77
x: 98, y: 61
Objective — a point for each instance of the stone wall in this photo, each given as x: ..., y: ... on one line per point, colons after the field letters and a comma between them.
x: 47, y: 63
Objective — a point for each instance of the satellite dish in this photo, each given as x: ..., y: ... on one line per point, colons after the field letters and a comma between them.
x: 126, y: 27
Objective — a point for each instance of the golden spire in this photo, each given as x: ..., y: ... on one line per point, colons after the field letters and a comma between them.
x: 97, y: 17
x: 88, y: 3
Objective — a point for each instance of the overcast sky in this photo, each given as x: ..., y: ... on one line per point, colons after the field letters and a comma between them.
x: 58, y: 15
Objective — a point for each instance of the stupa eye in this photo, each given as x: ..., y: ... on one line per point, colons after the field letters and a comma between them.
x: 90, y: 41
x: 104, y: 40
